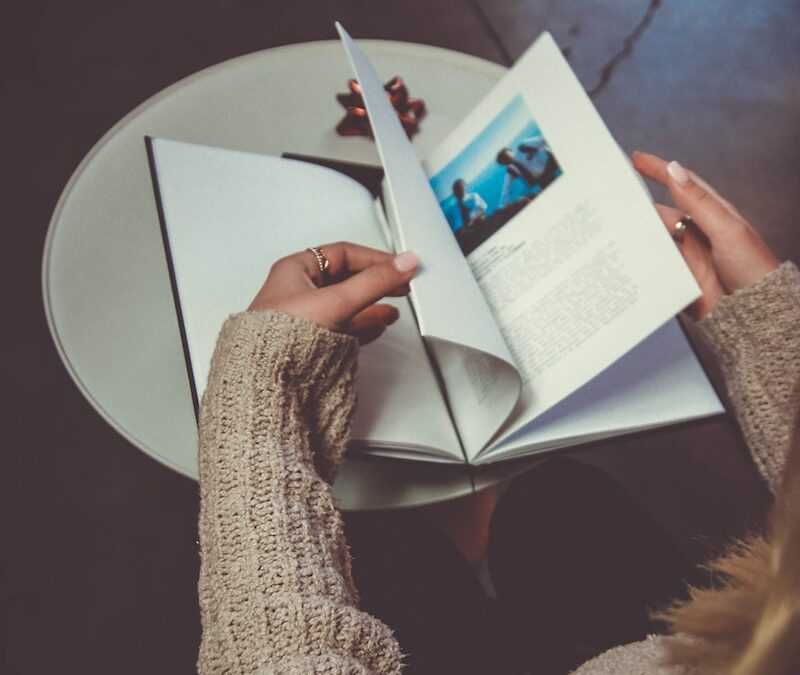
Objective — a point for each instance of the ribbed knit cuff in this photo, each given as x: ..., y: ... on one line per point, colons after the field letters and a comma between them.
x: 760, y: 316
x: 279, y: 358
x: 291, y: 349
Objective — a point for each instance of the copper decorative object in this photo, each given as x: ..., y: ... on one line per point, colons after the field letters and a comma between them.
x: 356, y: 122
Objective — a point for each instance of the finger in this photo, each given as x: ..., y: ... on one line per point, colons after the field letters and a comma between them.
x: 352, y: 295
x: 731, y: 208
x: 708, y: 212
x: 380, y: 313
x: 695, y: 251
x: 370, y: 334
x: 371, y: 322
x: 655, y: 168
x: 705, y: 207
x: 343, y: 258
x: 669, y: 216
x: 400, y: 291
x: 693, y: 243
x: 650, y: 166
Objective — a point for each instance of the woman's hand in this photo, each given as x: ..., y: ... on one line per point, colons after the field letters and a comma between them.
x: 723, y: 252
x: 344, y: 299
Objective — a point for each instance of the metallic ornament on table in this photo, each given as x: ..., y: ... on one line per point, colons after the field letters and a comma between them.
x: 356, y: 122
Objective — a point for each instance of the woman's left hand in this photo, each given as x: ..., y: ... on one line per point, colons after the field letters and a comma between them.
x: 345, y: 297
x: 722, y: 250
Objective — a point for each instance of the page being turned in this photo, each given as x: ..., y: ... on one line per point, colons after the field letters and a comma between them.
x: 562, y: 239
x: 475, y: 365
x: 229, y: 216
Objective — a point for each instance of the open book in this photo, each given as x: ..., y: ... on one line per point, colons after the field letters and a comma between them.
x: 543, y: 312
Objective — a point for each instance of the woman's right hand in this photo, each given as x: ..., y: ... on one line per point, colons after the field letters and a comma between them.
x: 345, y: 296
x: 723, y: 252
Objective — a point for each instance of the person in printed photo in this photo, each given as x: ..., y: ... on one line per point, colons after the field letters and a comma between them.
x: 533, y: 163
x: 471, y: 206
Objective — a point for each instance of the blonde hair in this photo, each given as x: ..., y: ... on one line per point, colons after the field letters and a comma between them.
x: 748, y: 623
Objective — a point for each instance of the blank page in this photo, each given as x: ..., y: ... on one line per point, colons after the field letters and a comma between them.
x: 229, y: 215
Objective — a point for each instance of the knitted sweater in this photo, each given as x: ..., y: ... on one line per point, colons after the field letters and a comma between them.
x: 276, y: 591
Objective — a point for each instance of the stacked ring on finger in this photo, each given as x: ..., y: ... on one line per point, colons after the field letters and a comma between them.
x: 322, y: 262
x: 679, y: 228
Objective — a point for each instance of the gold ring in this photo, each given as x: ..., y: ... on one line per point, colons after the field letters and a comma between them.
x: 679, y: 228
x: 322, y: 262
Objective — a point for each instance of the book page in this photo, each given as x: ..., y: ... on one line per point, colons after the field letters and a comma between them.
x: 658, y: 382
x: 476, y: 367
x: 573, y: 260
x: 229, y: 215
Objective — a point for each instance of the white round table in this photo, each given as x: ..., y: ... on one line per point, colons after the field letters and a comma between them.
x: 106, y: 286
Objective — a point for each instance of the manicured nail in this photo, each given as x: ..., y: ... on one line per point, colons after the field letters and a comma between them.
x: 678, y: 173
x: 405, y: 261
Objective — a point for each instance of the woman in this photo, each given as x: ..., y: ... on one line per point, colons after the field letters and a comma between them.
x: 276, y: 587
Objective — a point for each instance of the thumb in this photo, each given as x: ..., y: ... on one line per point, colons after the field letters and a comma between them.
x: 701, y: 202
x: 371, y: 284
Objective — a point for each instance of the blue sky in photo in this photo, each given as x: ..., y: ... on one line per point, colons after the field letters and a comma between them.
x: 477, y: 165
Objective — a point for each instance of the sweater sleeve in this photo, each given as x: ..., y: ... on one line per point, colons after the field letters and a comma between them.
x: 276, y: 592
x: 755, y: 334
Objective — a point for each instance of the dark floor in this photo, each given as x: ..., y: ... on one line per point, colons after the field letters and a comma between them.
x: 98, y: 559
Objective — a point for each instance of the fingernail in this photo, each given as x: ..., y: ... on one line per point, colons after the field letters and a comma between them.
x: 405, y: 261
x: 678, y: 173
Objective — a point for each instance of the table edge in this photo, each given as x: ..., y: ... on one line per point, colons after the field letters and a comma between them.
x: 490, y: 67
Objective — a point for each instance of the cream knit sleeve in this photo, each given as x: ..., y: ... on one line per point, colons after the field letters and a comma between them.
x: 275, y: 587
x: 755, y: 334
